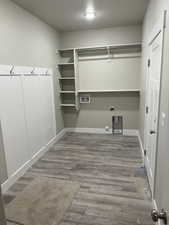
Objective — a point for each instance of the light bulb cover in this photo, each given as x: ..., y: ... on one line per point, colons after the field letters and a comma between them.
x: 90, y: 15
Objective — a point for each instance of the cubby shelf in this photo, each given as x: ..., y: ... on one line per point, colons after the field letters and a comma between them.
x: 67, y: 92
x: 68, y: 105
x: 66, y: 78
x: 65, y: 64
x: 67, y: 69
x: 104, y: 91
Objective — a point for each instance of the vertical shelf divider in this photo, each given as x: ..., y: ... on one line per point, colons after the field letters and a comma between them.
x: 68, y: 61
x: 76, y: 80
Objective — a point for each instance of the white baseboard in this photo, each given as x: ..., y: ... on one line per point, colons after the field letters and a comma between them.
x: 149, y: 175
x: 146, y: 163
x: 21, y: 171
x: 129, y: 132
x: 141, y: 146
x: 147, y: 167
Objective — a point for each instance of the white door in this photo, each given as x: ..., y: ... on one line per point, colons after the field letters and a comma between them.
x: 153, y: 96
x: 2, y: 211
x: 161, y: 196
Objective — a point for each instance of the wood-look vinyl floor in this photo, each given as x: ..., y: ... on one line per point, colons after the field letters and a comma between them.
x: 113, y: 183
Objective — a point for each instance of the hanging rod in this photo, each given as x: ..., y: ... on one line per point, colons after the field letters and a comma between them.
x: 113, y: 46
x: 108, y: 57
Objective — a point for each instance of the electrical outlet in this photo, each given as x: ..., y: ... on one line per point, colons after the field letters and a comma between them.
x: 85, y: 99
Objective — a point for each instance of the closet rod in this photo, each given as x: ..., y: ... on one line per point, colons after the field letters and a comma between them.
x: 85, y: 58
x: 139, y: 44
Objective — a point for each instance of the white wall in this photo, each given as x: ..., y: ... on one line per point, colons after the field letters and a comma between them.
x: 97, y: 114
x: 114, y: 74
x: 107, y: 36
x: 27, y: 41
x: 24, y: 39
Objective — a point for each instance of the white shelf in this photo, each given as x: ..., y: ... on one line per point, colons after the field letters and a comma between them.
x: 65, y: 64
x: 66, y: 49
x: 68, y: 105
x: 67, y: 92
x: 66, y: 78
x: 104, y: 91
x: 73, y: 58
x: 137, y: 44
x: 103, y: 46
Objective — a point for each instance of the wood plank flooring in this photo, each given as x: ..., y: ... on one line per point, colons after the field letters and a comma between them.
x: 113, y: 183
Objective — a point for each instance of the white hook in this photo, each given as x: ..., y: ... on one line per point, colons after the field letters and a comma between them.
x: 32, y: 72
x: 47, y: 72
x: 11, y: 71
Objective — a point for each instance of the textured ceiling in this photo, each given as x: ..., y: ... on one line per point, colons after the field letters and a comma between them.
x: 68, y: 15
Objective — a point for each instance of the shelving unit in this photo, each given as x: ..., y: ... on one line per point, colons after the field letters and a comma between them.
x: 67, y: 78
x: 108, y: 91
x: 77, y: 74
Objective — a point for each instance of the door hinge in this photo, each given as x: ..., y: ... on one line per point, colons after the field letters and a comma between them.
x: 147, y: 109
x: 145, y: 152
x: 149, y: 62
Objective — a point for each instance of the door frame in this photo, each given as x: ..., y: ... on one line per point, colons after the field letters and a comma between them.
x: 2, y: 210
x: 158, y: 28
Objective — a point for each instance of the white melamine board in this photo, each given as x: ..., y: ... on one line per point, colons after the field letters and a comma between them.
x: 5, y: 69
x: 113, y: 74
x: 33, y: 111
x: 40, y: 119
x: 47, y: 106
x: 13, y: 123
x: 22, y: 70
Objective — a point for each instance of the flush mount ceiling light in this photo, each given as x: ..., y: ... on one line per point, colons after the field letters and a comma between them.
x: 90, y: 15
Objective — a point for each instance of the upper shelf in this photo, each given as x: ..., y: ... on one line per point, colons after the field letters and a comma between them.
x: 101, y: 50
x: 66, y: 57
x: 110, y: 49
x: 66, y: 78
x: 108, y: 91
x: 65, y: 64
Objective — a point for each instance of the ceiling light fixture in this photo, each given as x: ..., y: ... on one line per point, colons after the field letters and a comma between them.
x: 90, y: 15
